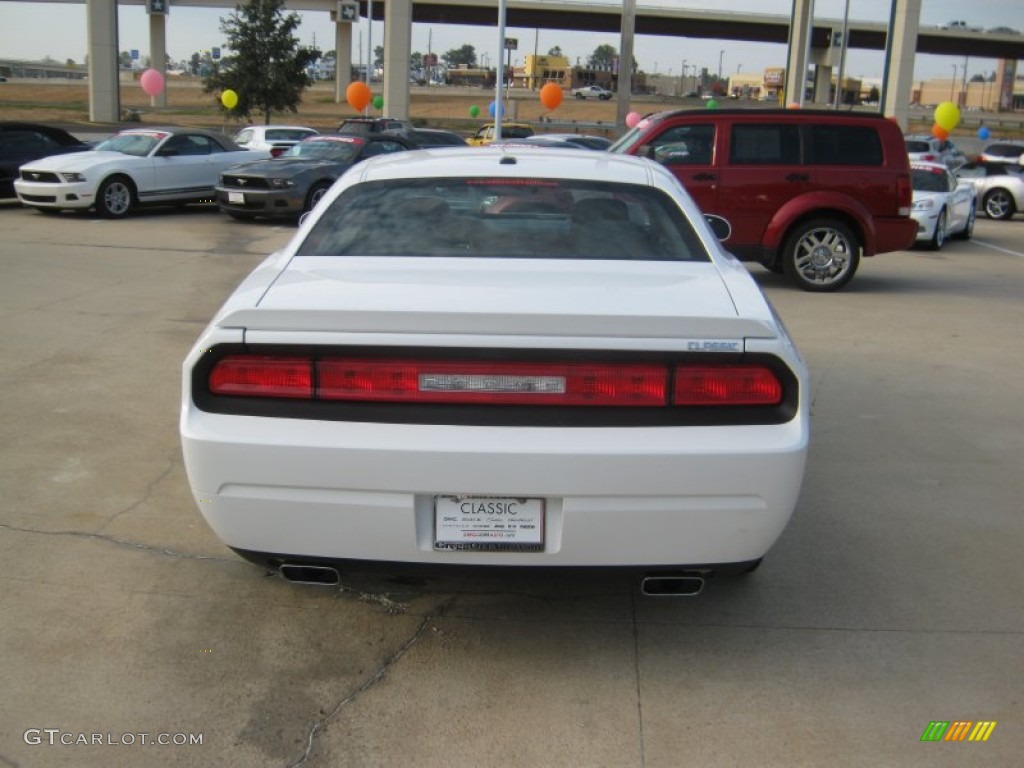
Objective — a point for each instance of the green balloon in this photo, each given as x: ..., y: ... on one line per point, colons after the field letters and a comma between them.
x: 378, y: 102
x: 474, y: 111
x: 712, y: 104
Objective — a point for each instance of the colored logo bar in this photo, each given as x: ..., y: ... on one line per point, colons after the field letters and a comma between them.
x: 958, y: 730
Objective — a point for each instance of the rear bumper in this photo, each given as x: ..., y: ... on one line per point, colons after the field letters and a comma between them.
x: 895, y: 234
x: 613, y: 497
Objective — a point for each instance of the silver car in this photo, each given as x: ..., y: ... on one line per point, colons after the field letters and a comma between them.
x: 999, y: 187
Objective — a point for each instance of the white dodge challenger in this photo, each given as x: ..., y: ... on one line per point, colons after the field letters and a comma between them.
x: 495, y: 357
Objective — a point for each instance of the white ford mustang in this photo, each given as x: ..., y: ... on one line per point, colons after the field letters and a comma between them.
x: 498, y: 356
x: 135, y: 167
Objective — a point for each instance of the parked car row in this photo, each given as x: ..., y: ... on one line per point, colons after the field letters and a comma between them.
x: 805, y: 193
x: 266, y: 171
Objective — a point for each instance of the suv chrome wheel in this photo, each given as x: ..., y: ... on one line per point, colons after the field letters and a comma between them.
x: 821, y: 255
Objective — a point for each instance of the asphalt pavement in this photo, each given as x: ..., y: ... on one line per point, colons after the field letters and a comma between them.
x: 131, y: 636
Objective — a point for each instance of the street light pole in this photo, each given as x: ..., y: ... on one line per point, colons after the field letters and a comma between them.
x: 682, y: 78
x: 952, y: 83
x: 720, y: 55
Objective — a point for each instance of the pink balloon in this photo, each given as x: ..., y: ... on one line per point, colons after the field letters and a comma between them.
x: 152, y: 82
x: 632, y: 119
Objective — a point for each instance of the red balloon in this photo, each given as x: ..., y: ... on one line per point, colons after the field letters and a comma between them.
x: 939, y: 132
x: 358, y: 95
x: 551, y: 95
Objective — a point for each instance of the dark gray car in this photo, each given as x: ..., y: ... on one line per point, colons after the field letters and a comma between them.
x: 289, y: 185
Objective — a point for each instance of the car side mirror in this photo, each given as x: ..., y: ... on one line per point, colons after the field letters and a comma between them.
x: 721, y: 228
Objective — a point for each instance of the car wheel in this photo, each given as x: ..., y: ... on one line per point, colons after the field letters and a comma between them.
x: 821, y: 255
x: 241, y: 216
x: 316, y: 193
x: 115, y: 197
x: 998, y: 204
x: 939, y: 235
x: 968, y: 231
x: 580, y: 96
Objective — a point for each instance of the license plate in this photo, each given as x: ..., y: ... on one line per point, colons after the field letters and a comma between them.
x: 236, y: 197
x: 488, y: 523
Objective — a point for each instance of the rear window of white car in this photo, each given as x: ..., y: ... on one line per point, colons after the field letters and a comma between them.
x: 505, y: 218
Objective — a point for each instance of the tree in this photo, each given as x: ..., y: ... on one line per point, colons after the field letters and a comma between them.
x: 556, y: 51
x: 378, y: 57
x: 603, y: 57
x: 978, y: 78
x: 267, y: 68
x: 464, y: 55
x: 124, y: 60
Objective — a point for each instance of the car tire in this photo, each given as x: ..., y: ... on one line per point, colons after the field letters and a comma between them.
x: 581, y: 96
x: 821, y: 255
x: 999, y: 204
x: 939, y: 235
x: 968, y: 231
x: 115, y: 197
x: 241, y: 216
x: 316, y: 192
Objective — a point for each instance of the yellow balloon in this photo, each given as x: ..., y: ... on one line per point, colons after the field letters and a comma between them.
x: 947, y: 115
x: 229, y: 99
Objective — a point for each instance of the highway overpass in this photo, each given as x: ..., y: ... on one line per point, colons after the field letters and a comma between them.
x: 581, y: 15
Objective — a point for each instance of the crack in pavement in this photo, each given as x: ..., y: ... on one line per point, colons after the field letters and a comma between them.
x: 143, y: 499
x: 123, y: 542
x: 320, y: 724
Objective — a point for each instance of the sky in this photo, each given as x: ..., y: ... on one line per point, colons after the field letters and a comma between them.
x: 36, y: 30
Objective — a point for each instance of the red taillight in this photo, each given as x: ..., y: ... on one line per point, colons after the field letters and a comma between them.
x: 929, y: 158
x: 904, y: 195
x: 726, y: 385
x: 262, y: 377
x: 277, y: 151
x: 496, y: 383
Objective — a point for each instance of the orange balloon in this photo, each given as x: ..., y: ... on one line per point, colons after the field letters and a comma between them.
x: 358, y: 95
x: 551, y: 95
x: 939, y: 132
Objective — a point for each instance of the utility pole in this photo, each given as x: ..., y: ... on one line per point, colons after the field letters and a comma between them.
x: 842, y: 57
x: 370, y: 41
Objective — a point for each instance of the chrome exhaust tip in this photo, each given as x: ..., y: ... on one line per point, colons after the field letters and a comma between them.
x: 320, y: 575
x: 684, y: 585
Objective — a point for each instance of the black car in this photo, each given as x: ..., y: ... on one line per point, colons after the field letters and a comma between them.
x: 434, y: 137
x: 364, y: 126
x: 23, y: 142
x: 291, y: 184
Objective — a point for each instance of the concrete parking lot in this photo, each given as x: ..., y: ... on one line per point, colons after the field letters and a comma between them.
x: 129, y: 632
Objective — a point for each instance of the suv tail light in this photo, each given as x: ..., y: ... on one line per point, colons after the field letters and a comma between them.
x: 475, y: 382
x: 904, y: 194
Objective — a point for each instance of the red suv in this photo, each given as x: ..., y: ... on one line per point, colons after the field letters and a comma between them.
x: 806, y: 192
